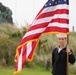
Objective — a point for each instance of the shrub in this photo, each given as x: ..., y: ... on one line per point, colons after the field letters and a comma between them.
x: 72, y: 69
x: 7, y: 51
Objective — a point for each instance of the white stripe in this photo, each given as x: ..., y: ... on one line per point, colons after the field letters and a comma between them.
x: 48, y: 19
x: 40, y: 30
x: 20, y: 60
x: 61, y: 25
x: 29, y: 49
x: 53, y: 8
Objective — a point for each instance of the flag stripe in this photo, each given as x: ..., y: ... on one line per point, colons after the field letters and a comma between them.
x: 56, y: 29
x: 48, y: 19
x: 29, y: 48
x: 41, y: 25
x: 27, y: 39
x: 59, y: 20
x: 56, y: 24
x: 34, y: 44
x: 36, y: 31
x: 24, y: 55
x: 58, y: 11
x: 20, y: 60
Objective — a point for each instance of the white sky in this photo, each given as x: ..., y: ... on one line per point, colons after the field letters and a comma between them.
x: 26, y: 10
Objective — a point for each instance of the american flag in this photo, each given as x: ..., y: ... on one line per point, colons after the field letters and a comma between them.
x: 52, y: 18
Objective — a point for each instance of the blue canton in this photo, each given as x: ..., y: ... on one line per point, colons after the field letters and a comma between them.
x: 55, y: 2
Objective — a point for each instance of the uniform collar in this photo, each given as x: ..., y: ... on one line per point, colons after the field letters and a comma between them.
x: 63, y: 49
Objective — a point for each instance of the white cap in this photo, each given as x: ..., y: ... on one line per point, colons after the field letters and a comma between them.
x: 61, y: 35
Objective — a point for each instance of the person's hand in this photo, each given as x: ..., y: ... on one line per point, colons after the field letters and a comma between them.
x: 68, y: 49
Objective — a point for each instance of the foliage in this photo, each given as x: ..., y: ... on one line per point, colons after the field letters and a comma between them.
x: 7, y: 50
x: 10, y: 37
x: 72, y: 68
x: 5, y: 14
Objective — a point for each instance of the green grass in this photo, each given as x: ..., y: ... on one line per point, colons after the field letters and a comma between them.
x: 26, y: 71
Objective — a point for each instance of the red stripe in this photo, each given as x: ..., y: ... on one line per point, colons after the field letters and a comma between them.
x: 19, y: 50
x: 33, y: 48
x: 60, y: 20
x: 56, y: 29
x: 31, y: 37
x: 52, y: 13
x: 16, y: 65
x: 23, y: 55
x: 42, y: 25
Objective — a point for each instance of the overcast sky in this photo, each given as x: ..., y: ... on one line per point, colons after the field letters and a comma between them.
x: 26, y: 10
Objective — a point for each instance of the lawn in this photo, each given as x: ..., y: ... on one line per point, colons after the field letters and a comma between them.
x: 26, y: 71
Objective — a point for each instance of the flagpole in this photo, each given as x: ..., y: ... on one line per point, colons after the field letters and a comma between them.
x: 67, y: 54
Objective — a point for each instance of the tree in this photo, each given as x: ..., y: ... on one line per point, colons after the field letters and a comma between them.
x: 5, y: 14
